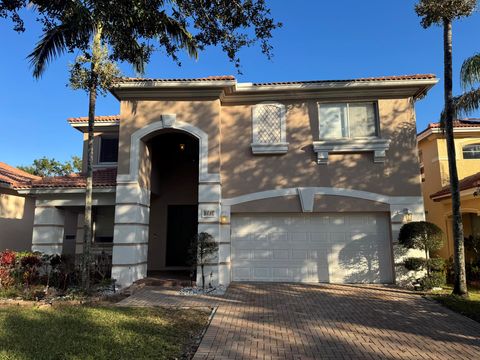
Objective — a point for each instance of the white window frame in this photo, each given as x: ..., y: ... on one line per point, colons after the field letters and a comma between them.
x: 466, y: 146
x: 99, y: 155
x: 377, y: 145
x: 269, y: 148
x: 347, y: 127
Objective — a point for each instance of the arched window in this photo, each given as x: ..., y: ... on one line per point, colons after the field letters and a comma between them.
x: 471, y: 151
x: 269, y: 129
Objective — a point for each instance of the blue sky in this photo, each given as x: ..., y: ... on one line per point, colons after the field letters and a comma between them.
x: 319, y: 40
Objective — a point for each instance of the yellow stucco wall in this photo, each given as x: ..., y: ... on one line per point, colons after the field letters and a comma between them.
x: 433, y: 150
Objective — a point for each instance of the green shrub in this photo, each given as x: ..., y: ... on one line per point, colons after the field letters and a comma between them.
x: 414, y: 263
x: 436, y: 264
x: 421, y: 235
x: 435, y: 279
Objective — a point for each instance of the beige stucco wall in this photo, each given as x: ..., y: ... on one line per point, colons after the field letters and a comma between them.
x: 230, y: 131
x: 243, y: 173
x: 16, y: 221
x: 203, y: 114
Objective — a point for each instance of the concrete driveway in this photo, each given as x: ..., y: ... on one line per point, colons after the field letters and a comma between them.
x: 299, y: 321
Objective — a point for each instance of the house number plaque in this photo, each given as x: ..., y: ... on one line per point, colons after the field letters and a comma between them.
x: 208, y: 213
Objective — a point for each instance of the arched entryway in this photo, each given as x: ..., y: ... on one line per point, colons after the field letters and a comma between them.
x: 173, y: 215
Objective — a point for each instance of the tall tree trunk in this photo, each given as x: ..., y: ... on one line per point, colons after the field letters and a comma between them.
x: 460, y: 285
x: 87, y: 227
x: 92, y: 99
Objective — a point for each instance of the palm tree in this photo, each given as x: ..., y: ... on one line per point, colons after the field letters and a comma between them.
x: 100, y: 76
x: 443, y: 13
x: 132, y: 30
x: 469, y: 101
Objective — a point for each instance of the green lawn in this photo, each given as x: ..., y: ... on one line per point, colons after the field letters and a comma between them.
x: 469, y: 307
x: 83, y: 332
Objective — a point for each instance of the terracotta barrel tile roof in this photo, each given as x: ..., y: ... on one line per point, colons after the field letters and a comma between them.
x: 101, y: 178
x: 470, y: 182
x: 104, y: 118
x: 232, y: 78
x: 382, y: 78
x: 208, y: 78
x: 458, y: 123
x: 12, y: 176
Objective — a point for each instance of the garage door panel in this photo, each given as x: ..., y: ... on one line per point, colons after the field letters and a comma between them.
x: 339, y: 248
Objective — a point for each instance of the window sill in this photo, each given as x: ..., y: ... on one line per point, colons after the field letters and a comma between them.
x: 104, y: 164
x: 277, y: 148
x: 337, y: 146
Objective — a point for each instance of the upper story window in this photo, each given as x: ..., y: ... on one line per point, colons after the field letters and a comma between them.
x: 471, y: 151
x: 347, y: 120
x: 349, y: 128
x: 108, y: 149
x: 269, y: 129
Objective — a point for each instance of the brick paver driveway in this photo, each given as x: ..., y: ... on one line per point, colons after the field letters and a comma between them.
x: 299, y: 321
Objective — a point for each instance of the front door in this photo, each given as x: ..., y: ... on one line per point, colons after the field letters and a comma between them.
x: 182, y: 224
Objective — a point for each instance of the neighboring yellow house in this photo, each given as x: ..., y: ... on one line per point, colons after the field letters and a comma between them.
x: 435, y: 177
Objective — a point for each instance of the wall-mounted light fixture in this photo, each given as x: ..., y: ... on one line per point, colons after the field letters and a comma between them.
x: 182, y: 147
x: 223, y: 218
x: 407, y: 215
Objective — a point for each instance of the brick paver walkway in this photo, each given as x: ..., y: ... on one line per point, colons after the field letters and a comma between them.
x: 299, y: 321
x: 166, y: 297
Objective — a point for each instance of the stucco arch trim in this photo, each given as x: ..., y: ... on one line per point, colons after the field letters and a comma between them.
x: 168, y: 122
x: 307, y: 196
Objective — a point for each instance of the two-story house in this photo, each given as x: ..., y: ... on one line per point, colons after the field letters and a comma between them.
x: 296, y: 181
x: 436, y: 180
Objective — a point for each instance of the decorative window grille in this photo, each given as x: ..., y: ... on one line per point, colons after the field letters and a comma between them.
x: 269, y: 128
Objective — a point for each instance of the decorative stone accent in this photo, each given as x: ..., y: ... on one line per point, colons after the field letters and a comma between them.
x: 338, y: 146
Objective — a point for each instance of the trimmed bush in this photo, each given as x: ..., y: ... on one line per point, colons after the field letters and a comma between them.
x: 436, y: 264
x: 421, y: 235
x: 414, y: 263
x: 435, y: 279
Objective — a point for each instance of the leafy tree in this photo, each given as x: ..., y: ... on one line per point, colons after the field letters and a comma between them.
x: 46, y: 167
x: 9, y: 9
x: 421, y: 235
x: 443, y: 13
x: 132, y: 30
x: 202, y: 250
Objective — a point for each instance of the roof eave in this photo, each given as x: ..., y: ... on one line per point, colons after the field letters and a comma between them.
x: 65, y: 190
x: 121, y: 86
x: 83, y: 126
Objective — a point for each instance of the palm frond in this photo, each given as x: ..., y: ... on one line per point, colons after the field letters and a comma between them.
x: 52, y: 44
x: 180, y: 35
x: 467, y: 102
x: 470, y: 72
x: 139, y: 61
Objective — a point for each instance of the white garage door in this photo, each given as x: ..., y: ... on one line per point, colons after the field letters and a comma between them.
x: 336, y: 248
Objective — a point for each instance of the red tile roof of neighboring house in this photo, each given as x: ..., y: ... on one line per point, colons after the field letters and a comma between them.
x: 99, y: 119
x: 460, y: 123
x: 101, y: 178
x: 12, y: 176
x: 470, y: 182
x: 208, y: 78
x: 382, y: 78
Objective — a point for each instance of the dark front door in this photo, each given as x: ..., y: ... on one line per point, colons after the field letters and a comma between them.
x: 182, y: 224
